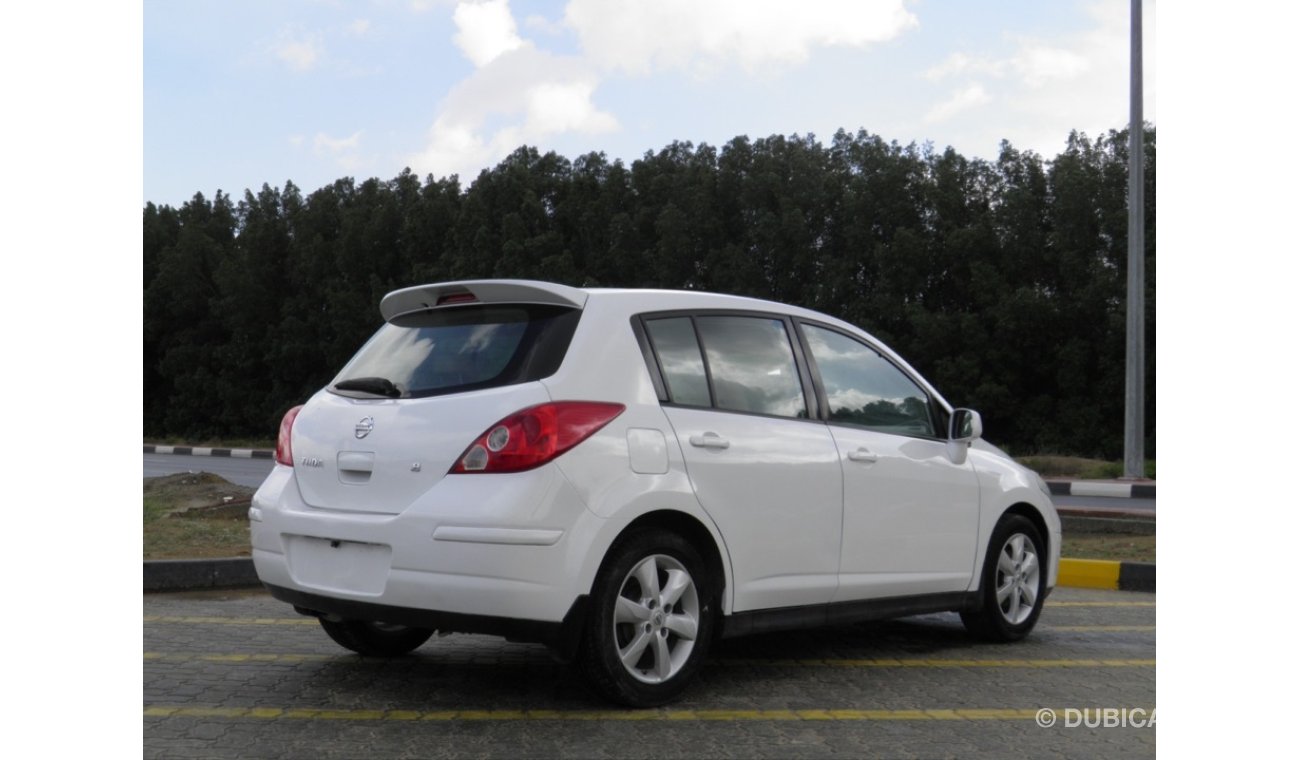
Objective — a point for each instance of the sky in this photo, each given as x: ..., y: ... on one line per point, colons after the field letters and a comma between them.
x: 240, y: 93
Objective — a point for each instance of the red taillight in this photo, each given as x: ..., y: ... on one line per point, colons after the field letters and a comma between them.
x: 534, y: 436
x: 284, y: 442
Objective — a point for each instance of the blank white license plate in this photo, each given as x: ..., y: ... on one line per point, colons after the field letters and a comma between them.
x: 347, y: 566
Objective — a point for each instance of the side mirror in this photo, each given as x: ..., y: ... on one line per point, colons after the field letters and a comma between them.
x: 964, y: 426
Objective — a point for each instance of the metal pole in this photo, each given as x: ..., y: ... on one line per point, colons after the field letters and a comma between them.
x: 1135, y: 400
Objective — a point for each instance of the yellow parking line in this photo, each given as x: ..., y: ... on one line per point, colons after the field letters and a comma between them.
x: 212, y: 620
x: 949, y: 663
x: 272, y: 713
x: 909, y: 662
x: 238, y: 658
x: 1098, y: 628
x: 1100, y: 604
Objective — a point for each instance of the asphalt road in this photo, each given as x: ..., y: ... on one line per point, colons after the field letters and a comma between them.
x: 237, y: 674
x: 251, y: 472
x: 245, y: 472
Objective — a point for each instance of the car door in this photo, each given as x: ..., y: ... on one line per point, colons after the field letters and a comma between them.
x: 910, y: 514
x: 764, y: 469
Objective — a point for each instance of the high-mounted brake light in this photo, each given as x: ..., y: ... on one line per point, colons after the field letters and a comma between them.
x: 284, y: 442
x: 534, y: 436
x: 457, y: 298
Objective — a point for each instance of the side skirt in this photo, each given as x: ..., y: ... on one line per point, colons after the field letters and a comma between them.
x: 843, y: 613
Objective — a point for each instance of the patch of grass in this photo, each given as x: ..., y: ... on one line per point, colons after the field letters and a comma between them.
x: 1054, y: 466
x: 1109, y: 546
x: 195, y: 516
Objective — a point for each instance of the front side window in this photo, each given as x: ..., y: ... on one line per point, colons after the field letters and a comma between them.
x: 752, y: 365
x: 865, y: 389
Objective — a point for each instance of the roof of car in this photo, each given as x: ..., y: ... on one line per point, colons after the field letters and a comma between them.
x: 422, y: 297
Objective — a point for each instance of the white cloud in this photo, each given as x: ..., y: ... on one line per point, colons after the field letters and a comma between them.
x: 324, y: 144
x: 341, y: 150
x: 420, y: 6
x: 522, y: 97
x: 566, y: 107
x: 1038, y: 65
x: 300, y: 50
x: 638, y: 37
x: 485, y: 30
x: 961, y: 100
x: 359, y: 27
x: 544, y: 25
x: 519, y: 94
x: 960, y: 63
x: 1034, y: 64
x: 1046, y: 87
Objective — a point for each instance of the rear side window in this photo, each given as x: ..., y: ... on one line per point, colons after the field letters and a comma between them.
x: 752, y: 365
x: 464, y: 348
x: 679, y: 356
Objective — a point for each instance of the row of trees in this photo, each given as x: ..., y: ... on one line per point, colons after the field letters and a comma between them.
x: 1002, y: 281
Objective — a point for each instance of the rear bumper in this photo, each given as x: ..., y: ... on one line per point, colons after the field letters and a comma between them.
x: 475, y: 548
x: 561, y: 637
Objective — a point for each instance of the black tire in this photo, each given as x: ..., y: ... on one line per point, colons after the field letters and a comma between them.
x: 668, y: 658
x: 1013, y: 617
x: 375, y: 639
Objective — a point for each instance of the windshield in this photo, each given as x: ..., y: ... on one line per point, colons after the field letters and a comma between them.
x: 460, y: 348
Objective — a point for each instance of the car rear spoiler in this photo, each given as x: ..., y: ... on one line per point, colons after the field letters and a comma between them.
x: 425, y: 297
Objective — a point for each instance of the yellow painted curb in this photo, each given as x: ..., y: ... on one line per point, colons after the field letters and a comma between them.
x: 1088, y: 573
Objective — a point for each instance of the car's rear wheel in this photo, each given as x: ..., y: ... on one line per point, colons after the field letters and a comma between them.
x: 652, y: 616
x: 1013, y: 584
x: 375, y: 638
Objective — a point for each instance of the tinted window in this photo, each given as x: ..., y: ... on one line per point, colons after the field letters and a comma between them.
x: 863, y: 388
x: 752, y: 365
x: 465, y: 348
x: 679, y: 355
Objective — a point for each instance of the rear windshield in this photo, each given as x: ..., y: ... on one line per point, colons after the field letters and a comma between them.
x: 461, y: 348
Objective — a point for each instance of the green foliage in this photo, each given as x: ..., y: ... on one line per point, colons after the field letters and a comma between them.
x: 1055, y: 466
x: 1003, y: 281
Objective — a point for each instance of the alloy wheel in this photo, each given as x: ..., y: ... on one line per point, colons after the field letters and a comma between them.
x: 1017, y: 578
x: 656, y: 619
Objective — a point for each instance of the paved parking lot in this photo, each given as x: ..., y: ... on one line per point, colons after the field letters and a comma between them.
x: 237, y: 674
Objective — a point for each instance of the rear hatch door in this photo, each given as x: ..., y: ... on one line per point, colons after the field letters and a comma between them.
x: 432, y: 380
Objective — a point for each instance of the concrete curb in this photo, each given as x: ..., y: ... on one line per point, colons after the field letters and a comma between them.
x: 203, y: 451
x: 1107, y: 574
x: 1108, y: 488
x: 199, y: 574
x: 237, y: 572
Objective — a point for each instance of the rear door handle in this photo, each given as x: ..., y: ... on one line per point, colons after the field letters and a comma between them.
x: 710, y: 441
x: 862, y: 455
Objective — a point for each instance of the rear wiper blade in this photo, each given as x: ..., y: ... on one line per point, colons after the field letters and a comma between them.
x: 380, y: 386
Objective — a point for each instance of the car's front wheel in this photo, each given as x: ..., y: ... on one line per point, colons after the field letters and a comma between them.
x: 1013, y: 584
x: 374, y: 638
x: 650, y: 622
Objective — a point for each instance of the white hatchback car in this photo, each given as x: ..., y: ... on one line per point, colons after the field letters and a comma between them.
x: 626, y: 475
